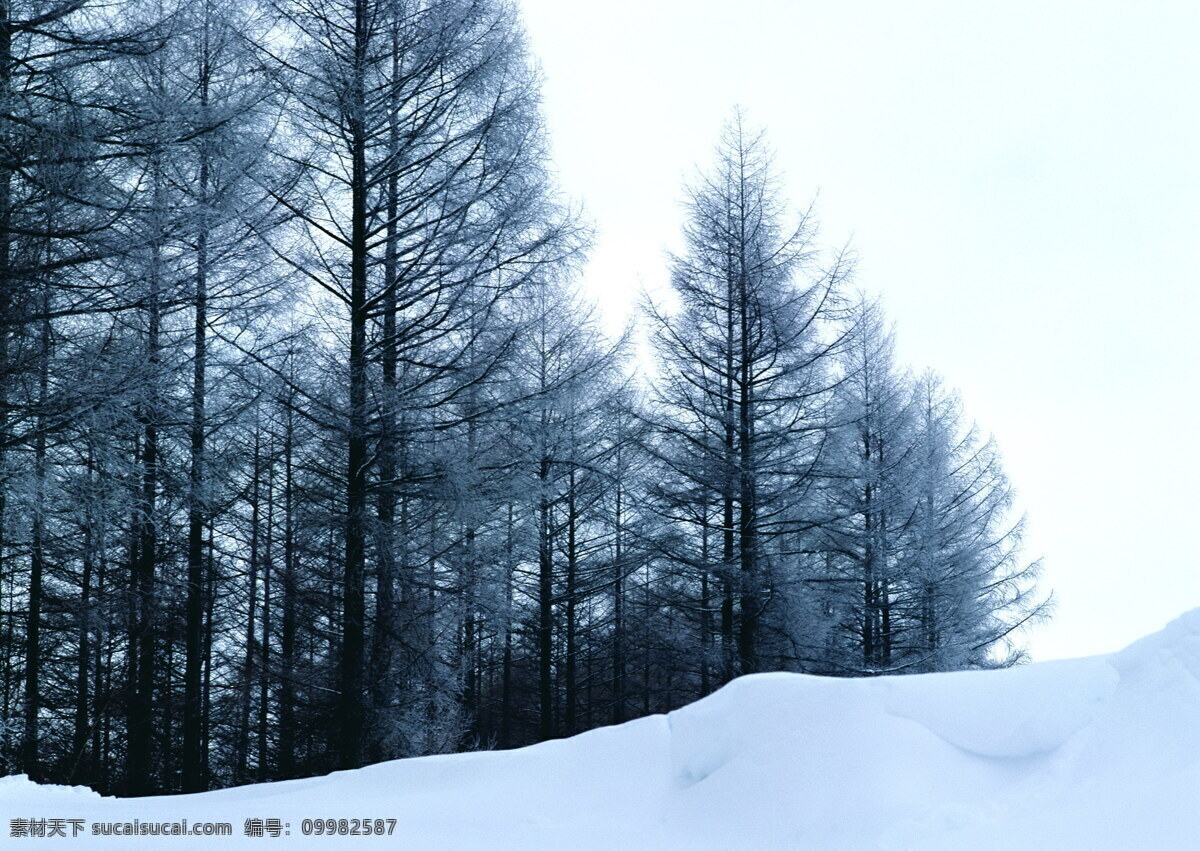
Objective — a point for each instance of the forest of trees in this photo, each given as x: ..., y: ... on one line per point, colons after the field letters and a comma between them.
x: 312, y: 454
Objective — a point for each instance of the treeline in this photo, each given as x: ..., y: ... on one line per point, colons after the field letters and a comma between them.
x: 312, y: 456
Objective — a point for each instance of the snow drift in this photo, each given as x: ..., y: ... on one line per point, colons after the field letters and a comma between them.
x: 1102, y: 752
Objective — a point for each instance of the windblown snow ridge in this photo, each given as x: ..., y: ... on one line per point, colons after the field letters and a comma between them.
x: 1091, y: 753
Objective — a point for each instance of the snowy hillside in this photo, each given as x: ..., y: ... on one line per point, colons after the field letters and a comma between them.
x: 1090, y: 753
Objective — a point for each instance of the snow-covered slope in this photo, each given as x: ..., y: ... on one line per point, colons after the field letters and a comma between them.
x: 1089, y: 753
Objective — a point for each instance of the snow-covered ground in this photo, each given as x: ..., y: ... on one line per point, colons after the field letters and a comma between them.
x: 1090, y: 753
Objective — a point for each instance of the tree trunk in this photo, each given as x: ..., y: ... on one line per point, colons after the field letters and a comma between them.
x: 193, y: 754
x: 545, y: 610
x: 618, y: 585
x: 570, y: 692
x: 242, y: 745
x: 286, y: 759
x: 506, y: 689
x: 139, y: 775
x: 30, y: 751
x: 264, y: 660
x: 351, y: 714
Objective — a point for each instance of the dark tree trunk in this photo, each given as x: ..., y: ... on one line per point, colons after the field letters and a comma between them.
x: 728, y: 497
x: 139, y: 774
x: 287, y: 651
x: 30, y: 750
x: 506, y: 676
x: 618, y: 585
x: 384, y: 637
x: 705, y: 604
x: 7, y: 302
x: 79, y: 738
x: 570, y: 687
x: 193, y: 753
x: 351, y: 714
x: 545, y: 630
x: 748, y: 502
x: 242, y: 746
x: 264, y: 659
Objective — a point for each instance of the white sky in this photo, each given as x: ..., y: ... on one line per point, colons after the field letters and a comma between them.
x: 1021, y: 182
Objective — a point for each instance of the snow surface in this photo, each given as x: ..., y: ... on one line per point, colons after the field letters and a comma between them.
x: 1102, y: 752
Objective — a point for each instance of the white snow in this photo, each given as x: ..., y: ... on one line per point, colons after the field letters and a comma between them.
x: 1090, y: 753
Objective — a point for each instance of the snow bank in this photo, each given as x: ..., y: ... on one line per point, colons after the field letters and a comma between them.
x: 1088, y: 753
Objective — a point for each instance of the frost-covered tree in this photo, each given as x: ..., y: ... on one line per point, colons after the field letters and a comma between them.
x: 743, y: 388
x: 922, y: 568
x: 569, y: 375
x: 62, y: 135
x: 423, y: 201
x: 969, y: 591
x: 312, y: 454
x: 870, y: 465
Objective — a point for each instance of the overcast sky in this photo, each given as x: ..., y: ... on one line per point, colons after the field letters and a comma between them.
x: 1021, y: 183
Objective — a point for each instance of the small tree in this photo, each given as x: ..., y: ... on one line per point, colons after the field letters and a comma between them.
x: 870, y: 465
x: 970, y: 592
